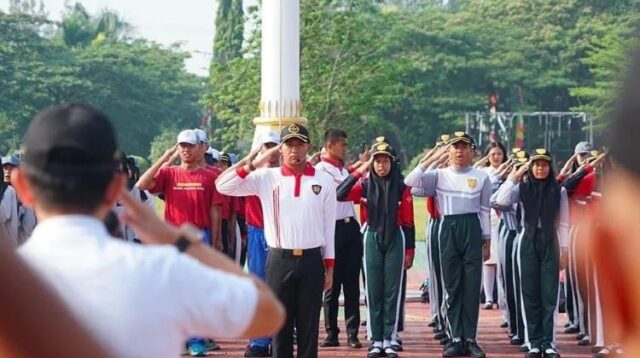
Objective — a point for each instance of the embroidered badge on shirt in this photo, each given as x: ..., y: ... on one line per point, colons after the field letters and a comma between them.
x: 316, y: 189
x: 472, y: 182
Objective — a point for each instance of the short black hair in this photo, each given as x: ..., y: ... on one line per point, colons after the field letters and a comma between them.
x: 76, y: 186
x: 625, y: 124
x: 334, y: 134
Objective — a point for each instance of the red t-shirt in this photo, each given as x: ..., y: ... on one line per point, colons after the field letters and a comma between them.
x: 189, y: 196
x: 253, y: 210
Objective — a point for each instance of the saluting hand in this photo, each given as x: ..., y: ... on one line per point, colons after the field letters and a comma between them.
x: 566, y: 169
x: 145, y: 222
x: 170, y: 153
x: 315, y: 159
x: 365, y: 156
x: 517, y: 175
x: 482, y: 162
x: 263, y: 157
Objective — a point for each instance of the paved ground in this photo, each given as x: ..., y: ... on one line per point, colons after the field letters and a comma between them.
x: 418, y: 340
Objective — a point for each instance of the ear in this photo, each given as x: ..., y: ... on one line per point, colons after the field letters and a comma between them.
x: 23, y: 189
x: 114, y: 190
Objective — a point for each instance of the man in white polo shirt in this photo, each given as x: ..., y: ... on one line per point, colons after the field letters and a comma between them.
x: 299, y: 206
x: 139, y: 300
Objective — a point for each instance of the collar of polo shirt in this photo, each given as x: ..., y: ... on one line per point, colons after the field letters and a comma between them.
x: 335, y: 163
x: 308, y: 171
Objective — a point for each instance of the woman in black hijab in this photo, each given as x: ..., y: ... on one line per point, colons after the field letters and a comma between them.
x: 543, y: 246
x: 389, y: 241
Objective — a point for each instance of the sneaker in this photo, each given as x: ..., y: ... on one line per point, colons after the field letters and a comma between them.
x: 551, y: 353
x: 211, y: 345
x: 256, y: 351
x: 488, y: 305
x: 586, y: 341
x: 473, y: 350
x: 524, y: 348
x: 197, y: 348
x: 390, y: 353
x: 533, y: 353
x: 454, y: 349
x: 375, y: 352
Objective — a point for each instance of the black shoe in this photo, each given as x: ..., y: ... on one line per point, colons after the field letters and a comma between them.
x: 585, y: 342
x: 445, y: 341
x: 488, y: 306
x: 524, y: 348
x: 211, y: 345
x: 504, y: 325
x: 580, y: 336
x: 256, y: 351
x: 389, y: 352
x: 375, y: 352
x: 354, y: 342
x: 397, y: 347
x: 454, y: 349
x: 572, y: 330
x: 551, y: 353
x: 516, y: 341
x: 567, y: 325
x: 533, y: 353
x: 473, y: 350
x: 440, y: 336
x: 363, y: 323
x: 398, y: 340
x: 433, y: 323
x: 330, y: 341
x: 596, y: 349
x: 437, y: 330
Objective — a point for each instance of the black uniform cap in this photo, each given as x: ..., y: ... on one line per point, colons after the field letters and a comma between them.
x: 294, y: 131
x: 71, y: 140
x: 461, y: 137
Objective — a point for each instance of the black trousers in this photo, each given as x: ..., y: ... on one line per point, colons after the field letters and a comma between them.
x: 346, y: 277
x: 226, y: 245
x: 510, y: 282
x: 244, y: 233
x: 403, y: 297
x: 297, y: 281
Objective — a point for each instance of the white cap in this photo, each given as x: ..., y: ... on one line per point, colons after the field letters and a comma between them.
x: 188, y: 136
x: 215, y: 154
x: 201, y: 135
x: 269, y: 137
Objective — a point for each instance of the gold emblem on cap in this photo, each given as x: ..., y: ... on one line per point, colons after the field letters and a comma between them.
x: 294, y: 129
x: 541, y: 151
x: 472, y: 182
x: 595, y: 153
x: 522, y: 160
x: 382, y: 146
x: 521, y: 154
x: 459, y: 134
x: 380, y: 139
x: 444, y: 137
x: 516, y: 150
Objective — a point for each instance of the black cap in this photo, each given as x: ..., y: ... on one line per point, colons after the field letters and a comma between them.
x: 381, y: 147
x: 224, y: 157
x: 461, y: 137
x: 541, y: 153
x: 294, y: 131
x: 71, y: 140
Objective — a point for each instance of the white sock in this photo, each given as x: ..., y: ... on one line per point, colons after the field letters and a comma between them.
x: 488, y: 278
x: 377, y: 344
x: 387, y: 343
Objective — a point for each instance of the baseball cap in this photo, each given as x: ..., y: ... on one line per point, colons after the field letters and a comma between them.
x: 583, y: 148
x: 11, y: 160
x: 294, y: 131
x: 269, y: 137
x: 188, y: 136
x: 201, y: 135
x: 461, y: 137
x: 71, y: 139
x: 541, y: 153
x: 224, y: 157
x: 215, y: 154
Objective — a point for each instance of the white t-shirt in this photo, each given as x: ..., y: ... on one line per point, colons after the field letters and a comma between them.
x: 139, y: 301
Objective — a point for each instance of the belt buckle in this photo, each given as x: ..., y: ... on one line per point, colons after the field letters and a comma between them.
x: 297, y: 252
x: 347, y: 220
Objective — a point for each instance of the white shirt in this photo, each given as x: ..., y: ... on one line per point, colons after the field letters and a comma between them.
x: 292, y: 220
x: 139, y: 301
x: 338, y: 174
x: 128, y: 232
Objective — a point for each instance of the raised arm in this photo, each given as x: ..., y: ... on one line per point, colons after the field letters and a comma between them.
x: 485, y: 218
x: 148, y: 180
x: 563, y: 220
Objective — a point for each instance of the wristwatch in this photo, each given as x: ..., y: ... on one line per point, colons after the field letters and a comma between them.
x: 189, y: 235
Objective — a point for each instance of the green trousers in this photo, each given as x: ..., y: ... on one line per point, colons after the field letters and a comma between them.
x: 461, y: 262
x: 540, y: 271
x: 383, y: 272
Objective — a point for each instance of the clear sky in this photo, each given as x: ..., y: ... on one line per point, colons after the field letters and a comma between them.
x: 190, y: 22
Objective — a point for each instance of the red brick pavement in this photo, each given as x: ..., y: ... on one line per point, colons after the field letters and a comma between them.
x: 418, y: 340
